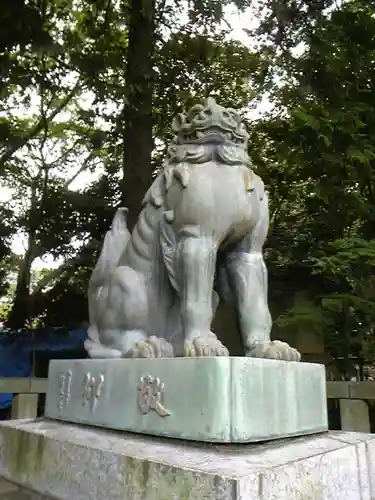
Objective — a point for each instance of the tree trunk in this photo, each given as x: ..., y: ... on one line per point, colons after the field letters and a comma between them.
x: 21, y: 312
x: 137, y: 117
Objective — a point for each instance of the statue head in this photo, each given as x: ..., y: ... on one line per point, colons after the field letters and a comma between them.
x: 210, y: 123
x: 209, y: 132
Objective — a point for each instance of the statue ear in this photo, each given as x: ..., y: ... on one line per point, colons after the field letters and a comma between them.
x: 178, y: 122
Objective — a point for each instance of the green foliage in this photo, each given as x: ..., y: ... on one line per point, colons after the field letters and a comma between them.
x: 83, y: 79
x: 318, y: 159
x: 72, y: 83
x: 307, y: 317
x: 6, y: 257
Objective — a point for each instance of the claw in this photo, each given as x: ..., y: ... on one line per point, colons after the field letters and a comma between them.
x: 275, y: 350
x: 153, y: 347
x: 204, y: 346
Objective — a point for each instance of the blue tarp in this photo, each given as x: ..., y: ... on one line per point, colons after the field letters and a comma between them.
x: 15, y: 351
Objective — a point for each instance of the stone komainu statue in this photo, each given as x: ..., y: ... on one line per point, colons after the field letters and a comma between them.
x: 198, y: 239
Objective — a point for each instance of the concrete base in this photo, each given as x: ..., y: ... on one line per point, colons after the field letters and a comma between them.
x: 66, y: 462
x: 222, y: 399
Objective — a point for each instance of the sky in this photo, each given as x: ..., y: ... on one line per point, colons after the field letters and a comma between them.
x: 238, y: 22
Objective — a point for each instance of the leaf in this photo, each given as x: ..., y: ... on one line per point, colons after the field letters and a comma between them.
x: 301, y: 318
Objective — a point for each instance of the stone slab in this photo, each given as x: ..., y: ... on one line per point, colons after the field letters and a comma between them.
x: 25, y: 406
x: 15, y: 385
x: 355, y: 415
x: 337, y: 390
x: 234, y: 399
x: 6, y: 487
x: 67, y: 461
x: 23, y: 385
x: 9, y: 491
x: 362, y: 390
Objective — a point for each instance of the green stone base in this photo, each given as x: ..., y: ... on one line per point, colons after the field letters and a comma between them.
x: 234, y: 399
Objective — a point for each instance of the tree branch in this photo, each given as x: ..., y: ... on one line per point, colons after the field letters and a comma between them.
x: 65, y: 155
x: 72, y: 262
x: 38, y: 127
x: 80, y: 170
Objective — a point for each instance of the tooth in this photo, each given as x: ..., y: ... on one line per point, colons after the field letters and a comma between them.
x: 199, y: 134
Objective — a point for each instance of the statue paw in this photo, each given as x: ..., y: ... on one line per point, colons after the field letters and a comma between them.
x: 205, y: 345
x: 274, y: 349
x: 153, y: 347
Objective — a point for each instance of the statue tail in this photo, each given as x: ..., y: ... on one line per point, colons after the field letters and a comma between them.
x: 115, y: 242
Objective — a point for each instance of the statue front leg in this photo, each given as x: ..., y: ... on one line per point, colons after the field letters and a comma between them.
x: 248, y: 276
x: 196, y: 258
x: 248, y: 279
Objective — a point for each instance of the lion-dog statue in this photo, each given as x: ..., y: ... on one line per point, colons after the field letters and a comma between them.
x: 198, y: 239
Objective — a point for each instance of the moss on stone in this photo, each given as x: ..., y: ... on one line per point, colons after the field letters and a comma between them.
x: 23, y: 451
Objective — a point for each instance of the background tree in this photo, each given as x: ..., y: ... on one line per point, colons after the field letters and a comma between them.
x: 98, y: 83
x: 99, y: 113
x: 322, y: 149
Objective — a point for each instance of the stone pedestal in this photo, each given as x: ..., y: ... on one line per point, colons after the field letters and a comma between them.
x: 65, y: 462
x: 222, y: 399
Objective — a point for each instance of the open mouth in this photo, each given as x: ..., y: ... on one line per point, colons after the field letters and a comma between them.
x: 213, y: 135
